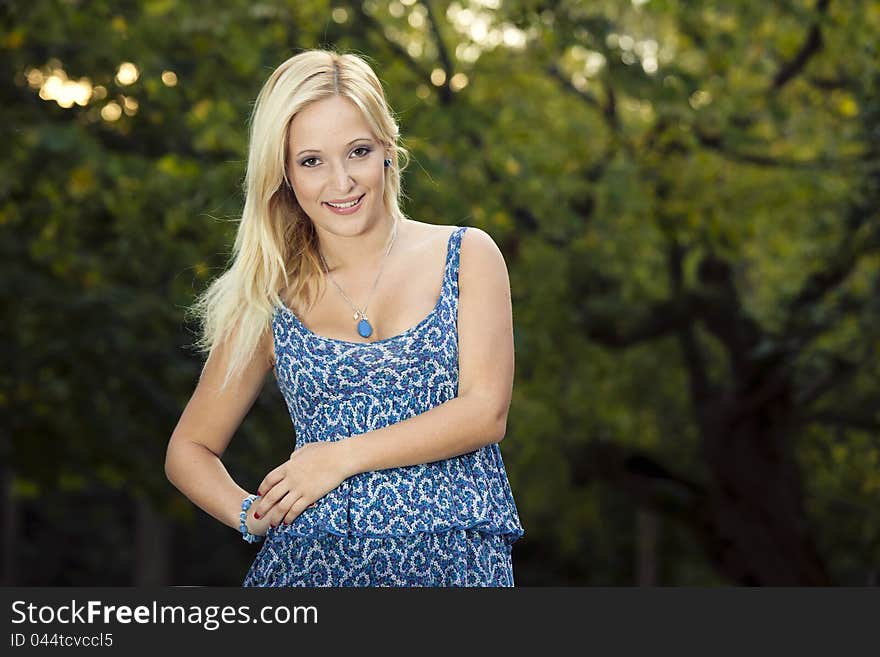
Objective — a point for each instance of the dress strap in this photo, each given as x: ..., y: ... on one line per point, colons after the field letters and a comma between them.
x: 450, y: 276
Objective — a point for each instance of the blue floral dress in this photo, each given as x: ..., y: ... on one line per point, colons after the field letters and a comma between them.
x: 447, y: 523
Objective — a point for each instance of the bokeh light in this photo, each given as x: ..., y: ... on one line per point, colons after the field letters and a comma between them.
x: 127, y: 73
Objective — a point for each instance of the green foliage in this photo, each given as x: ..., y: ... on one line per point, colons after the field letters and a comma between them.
x: 615, y: 131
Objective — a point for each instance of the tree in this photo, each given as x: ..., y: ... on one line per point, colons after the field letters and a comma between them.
x: 686, y: 196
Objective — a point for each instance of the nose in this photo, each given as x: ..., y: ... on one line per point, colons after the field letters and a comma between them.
x: 341, y: 178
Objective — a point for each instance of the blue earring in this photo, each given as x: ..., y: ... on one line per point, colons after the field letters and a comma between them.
x: 387, y: 163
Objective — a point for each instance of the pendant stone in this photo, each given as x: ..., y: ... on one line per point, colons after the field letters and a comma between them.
x: 364, y: 328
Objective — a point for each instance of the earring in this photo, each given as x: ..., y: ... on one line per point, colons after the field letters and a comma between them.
x: 387, y: 163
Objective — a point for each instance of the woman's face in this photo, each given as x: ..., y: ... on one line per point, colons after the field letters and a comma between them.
x: 333, y: 156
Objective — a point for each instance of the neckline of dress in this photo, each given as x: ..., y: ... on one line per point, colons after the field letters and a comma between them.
x: 405, y: 333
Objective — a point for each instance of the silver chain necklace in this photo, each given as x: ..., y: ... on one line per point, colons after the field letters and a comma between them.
x: 364, y: 328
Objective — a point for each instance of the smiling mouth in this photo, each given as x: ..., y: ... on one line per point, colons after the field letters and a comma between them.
x: 346, y: 206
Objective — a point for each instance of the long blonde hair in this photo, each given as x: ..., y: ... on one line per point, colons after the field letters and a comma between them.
x: 276, y: 244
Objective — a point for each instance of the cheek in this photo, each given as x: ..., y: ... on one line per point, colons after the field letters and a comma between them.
x: 305, y: 189
x: 377, y: 176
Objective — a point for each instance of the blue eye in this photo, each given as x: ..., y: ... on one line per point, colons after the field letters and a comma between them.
x: 359, y: 148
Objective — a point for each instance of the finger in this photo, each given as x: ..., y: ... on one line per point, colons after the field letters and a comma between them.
x: 279, y: 513
x: 298, y: 507
x: 273, y: 477
x: 276, y: 512
x: 267, y: 502
x: 270, y: 480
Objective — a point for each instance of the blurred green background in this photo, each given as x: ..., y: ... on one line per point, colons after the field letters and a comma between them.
x: 686, y: 194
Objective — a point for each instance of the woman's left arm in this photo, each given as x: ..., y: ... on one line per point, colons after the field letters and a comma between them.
x: 478, y: 415
x: 475, y: 418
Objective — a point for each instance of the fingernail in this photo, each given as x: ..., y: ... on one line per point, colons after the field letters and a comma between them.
x: 256, y: 515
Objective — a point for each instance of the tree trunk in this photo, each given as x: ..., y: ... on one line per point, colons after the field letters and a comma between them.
x: 11, y: 526
x: 646, y: 557
x: 152, y: 553
x: 760, y: 532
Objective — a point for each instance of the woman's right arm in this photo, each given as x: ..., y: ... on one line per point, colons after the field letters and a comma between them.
x: 210, y: 419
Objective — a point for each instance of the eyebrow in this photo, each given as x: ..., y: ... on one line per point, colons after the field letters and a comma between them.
x: 312, y: 150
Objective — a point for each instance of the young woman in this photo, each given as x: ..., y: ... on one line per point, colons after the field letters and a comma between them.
x: 397, y: 375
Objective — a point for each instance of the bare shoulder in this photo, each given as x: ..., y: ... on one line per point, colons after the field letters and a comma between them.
x: 424, y: 235
x: 478, y: 239
x: 480, y: 255
x: 475, y: 241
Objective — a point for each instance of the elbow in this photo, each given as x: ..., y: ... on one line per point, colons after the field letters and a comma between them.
x: 492, y: 417
x: 170, y: 466
x: 168, y: 470
x: 499, y: 428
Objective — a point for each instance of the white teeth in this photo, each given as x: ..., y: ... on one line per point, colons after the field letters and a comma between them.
x: 342, y: 206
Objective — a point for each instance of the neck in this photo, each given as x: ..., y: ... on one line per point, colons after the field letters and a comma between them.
x: 345, y: 253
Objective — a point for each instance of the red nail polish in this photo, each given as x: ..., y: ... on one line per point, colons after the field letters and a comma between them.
x: 256, y: 515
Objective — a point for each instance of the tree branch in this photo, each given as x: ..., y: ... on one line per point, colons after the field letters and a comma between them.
x: 840, y: 370
x: 701, y: 388
x: 399, y: 50
x: 856, y: 419
x: 812, y: 45
x: 445, y: 59
x: 640, y: 475
x: 608, y: 111
x: 717, y: 144
x: 662, y: 318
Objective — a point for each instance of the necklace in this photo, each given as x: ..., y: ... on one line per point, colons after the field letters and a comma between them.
x: 364, y: 328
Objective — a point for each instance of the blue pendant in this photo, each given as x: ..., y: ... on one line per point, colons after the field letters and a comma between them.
x: 364, y: 329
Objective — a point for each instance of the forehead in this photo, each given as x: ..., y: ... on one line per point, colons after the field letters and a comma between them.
x: 328, y: 122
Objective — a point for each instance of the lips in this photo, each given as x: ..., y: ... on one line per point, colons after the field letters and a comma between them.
x: 355, y: 198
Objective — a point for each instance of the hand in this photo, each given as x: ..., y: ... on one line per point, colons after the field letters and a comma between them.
x: 311, y: 472
x: 258, y: 527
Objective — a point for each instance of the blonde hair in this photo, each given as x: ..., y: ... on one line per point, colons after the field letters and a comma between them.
x: 275, y: 246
